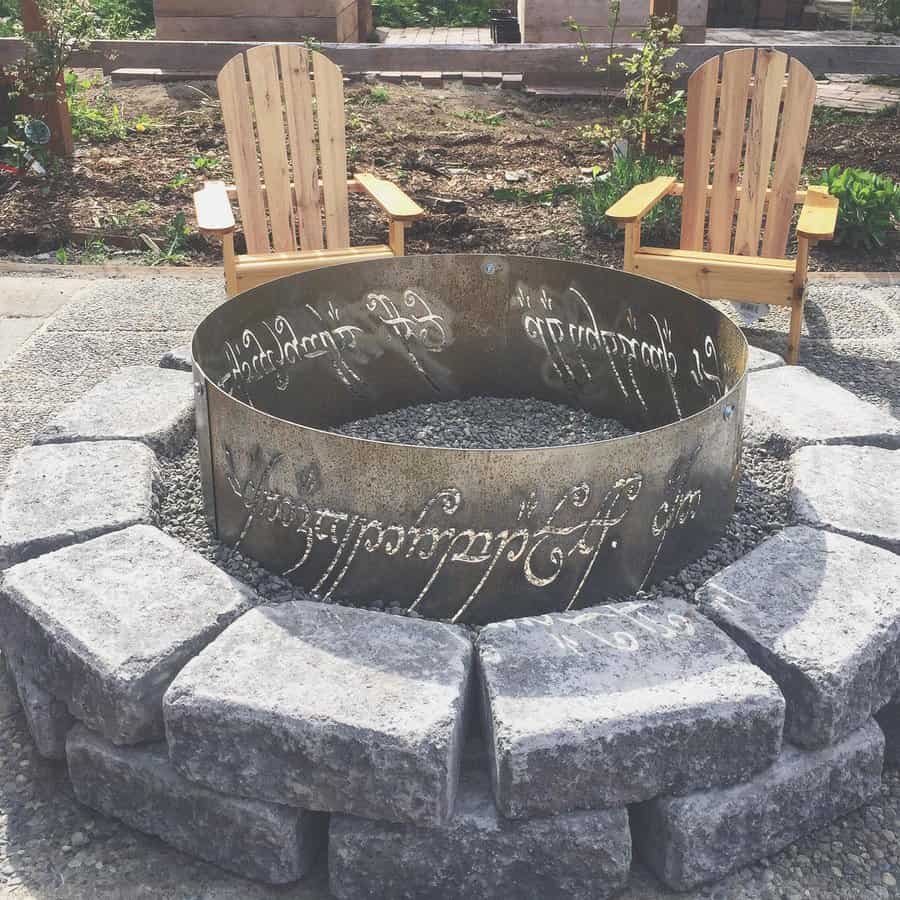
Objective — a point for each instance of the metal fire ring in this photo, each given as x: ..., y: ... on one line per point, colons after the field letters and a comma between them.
x: 468, y: 535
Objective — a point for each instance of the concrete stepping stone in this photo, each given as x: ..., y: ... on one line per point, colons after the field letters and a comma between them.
x: 327, y: 708
x: 690, y: 840
x: 619, y: 703
x: 853, y: 490
x: 759, y: 359
x: 47, y: 718
x: 60, y: 494
x: 140, y: 403
x: 478, y: 853
x: 179, y: 358
x: 139, y: 786
x: 819, y: 612
x: 791, y: 405
x: 106, y: 625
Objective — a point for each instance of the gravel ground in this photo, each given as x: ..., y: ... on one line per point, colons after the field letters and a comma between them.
x: 51, y: 848
x: 498, y: 423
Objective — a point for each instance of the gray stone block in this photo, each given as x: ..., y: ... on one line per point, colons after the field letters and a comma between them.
x: 690, y: 840
x: 106, y: 625
x: 138, y: 785
x: 853, y: 490
x: 327, y: 708
x: 61, y: 494
x: 819, y: 612
x: 790, y: 405
x: 48, y: 719
x: 888, y: 718
x: 760, y: 359
x: 179, y: 358
x: 140, y: 403
x: 477, y: 853
x: 619, y: 703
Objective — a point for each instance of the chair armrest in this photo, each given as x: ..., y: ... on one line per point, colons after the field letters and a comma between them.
x: 213, y: 208
x: 818, y: 217
x: 641, y: 199
x: 390, y: 198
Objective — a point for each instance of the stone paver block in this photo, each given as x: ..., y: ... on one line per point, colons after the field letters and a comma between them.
x: 179, y: 358
x: 759, y: 359
x: 619, y: 703
x: 702, y: 837
x: 888, y: 718
x: 60, y: 494
x: 819, y: 612
x: 853, y: 490
x: 478, y: 853
x: 791, y: 405
x: 138, y: 785
x: 106, y: 625
x: 327, y: 708
x: 48, y: 719
x: 141, y: 403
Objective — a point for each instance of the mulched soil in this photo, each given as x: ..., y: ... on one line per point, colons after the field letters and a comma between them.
x: 451, y: 144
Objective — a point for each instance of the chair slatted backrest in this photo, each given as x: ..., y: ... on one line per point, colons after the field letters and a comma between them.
x: 750, y: 126
x: 271, y: 107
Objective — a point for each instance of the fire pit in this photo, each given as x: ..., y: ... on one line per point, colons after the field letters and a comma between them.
x: 469, y: 535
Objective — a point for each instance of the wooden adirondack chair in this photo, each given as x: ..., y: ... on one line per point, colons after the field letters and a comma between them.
x: 282, y: 211
x: 741, y: 146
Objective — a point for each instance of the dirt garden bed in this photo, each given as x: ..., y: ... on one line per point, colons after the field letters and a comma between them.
x: 451, y: 148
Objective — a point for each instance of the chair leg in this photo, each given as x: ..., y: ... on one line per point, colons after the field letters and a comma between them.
x: 397, y: 237
x: 793, y: 354
x: 632, y: 243
x: 229, y: 262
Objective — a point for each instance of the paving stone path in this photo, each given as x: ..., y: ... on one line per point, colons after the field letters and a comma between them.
x: 114, y: 668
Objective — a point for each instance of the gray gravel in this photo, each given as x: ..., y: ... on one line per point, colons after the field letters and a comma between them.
x: 498, y: 423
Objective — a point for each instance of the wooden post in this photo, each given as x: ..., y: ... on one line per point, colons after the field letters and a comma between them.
x: 53, y: 109
x: 798, y: 299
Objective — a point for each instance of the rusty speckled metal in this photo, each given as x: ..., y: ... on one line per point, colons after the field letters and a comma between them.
x: 468, y: 535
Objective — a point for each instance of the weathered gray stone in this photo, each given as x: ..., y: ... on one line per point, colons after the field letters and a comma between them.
x: 61, y: 494
x: 690, y: 840
x: 888, y: 718
x: 760, y: 359
x: 790, y: 405
x: 480, y: 854
x: 326, y: 708
x: 141, y: 403
x: 48, y: 719
x: 179, y: 358
x: 138, y: 785
x: 619, y: 703
x: 853, y: 490
x: 819, y: 612
x: 105, y: 625
x: 9, y: 694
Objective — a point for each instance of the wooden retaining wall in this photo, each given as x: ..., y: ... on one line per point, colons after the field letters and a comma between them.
x: 544, y: 60
x: 273, y: 20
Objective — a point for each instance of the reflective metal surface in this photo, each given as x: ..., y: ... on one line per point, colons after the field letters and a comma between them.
x: 468, y: 535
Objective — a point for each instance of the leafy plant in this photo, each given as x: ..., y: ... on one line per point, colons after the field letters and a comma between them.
x: 379, y: 94
x: 403, y: 13
x: 546, y: 197
x: 886, y: 13
x: 182, y: 179
x: 869, y: 205
x: 481, y: 116
x: 657, y: 110
x: 119, y: 19
x: 204, y: 164
x: 612, y: 58
x: 95, y: 252
x: 93, y: 120
x: 174, y: 244
x: 607, y: 187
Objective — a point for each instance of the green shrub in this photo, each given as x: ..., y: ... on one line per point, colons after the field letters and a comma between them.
x: 124, y: 18
x: 869, y: 205
x: 663, y: 221
x: 404, y: 13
